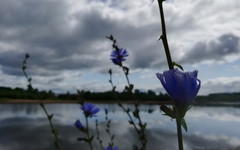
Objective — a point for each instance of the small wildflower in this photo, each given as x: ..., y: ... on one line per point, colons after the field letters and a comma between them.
x: 78, y: 124
x: 89, y: 110
x: 110, y: 148
x: 182, y: 87
x: 118, y: 56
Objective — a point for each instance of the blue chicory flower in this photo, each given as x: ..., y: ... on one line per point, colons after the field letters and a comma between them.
x: 118, y: 56
x: 89, y: 109
x: 182, y: 87
x: 78, y: 124
x: 110, y: 148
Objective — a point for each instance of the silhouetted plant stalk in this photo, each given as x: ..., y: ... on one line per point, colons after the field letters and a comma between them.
x: 120, y: 104
x: 98, y: 135
x: 179, y: 131
x: 85, y: 129
x: 163, y: 37
x: 108, y: 131
x: 24, y: 67
x: 178, y: 114
x: 89, y: 110
x: 54, y: 131
x: 119, y: 55
x: 108, y: 125
x: 49, y: 117
x: 89, y: 138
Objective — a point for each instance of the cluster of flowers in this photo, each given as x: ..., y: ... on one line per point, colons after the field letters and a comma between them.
x: 89, y: 110
x: 181, y: 86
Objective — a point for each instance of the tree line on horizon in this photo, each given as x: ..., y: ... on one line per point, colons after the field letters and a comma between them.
x: 20, y: 93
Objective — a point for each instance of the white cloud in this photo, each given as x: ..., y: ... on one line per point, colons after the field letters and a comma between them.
x: 220, y: 85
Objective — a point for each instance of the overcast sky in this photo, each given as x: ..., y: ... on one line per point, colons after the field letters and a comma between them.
x: 68, y: 49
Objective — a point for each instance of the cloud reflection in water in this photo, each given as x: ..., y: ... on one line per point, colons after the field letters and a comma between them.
x: 25, y: 127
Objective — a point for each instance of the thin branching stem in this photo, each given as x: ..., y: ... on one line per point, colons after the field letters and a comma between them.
x: 54, y: 131
x: 164, y: 35
x: 124, y: 109
x: 170, y: 65
x: 88, y: 135
x: 119, y: 103
x: 140, y: 131
x: 111, y: 136
x: 179, y: 132
x: 126, y: 75
x: 98, y: 135
x: 141, y: 127
x: 49, y: 117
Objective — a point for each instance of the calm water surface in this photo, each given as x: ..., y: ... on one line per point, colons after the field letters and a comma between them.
x: 25, y: 127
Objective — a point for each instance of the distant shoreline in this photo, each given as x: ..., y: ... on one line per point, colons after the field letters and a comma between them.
x: 34, y: 101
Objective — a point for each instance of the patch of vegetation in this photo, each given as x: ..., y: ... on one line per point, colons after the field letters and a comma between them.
x: 218, y: 98
x: 19, y: 93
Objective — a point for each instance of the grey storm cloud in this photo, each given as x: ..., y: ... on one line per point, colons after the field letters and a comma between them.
x: 64, y: 37
x: 43, y: 29
x: 214, y: 50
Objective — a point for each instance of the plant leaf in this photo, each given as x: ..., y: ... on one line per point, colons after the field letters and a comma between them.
x: 184, y: 124
x: 168, y: 111
x: 179, y: 66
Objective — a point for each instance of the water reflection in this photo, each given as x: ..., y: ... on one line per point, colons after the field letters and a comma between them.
x: 24, y: 126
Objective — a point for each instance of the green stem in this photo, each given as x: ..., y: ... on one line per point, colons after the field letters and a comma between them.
x: 141, y: 131
x: 170, y: 65
x: 49, y: 117
x: 126, y: 77
x: 179, y: 132
x: 164, y: 35
x: 98, y: 135
x: 88, y: 135
x: 54, y: 131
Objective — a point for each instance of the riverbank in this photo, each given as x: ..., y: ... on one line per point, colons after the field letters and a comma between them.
x: 34, y: 101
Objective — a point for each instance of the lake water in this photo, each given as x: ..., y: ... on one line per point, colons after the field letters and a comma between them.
x: 25, y: 127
